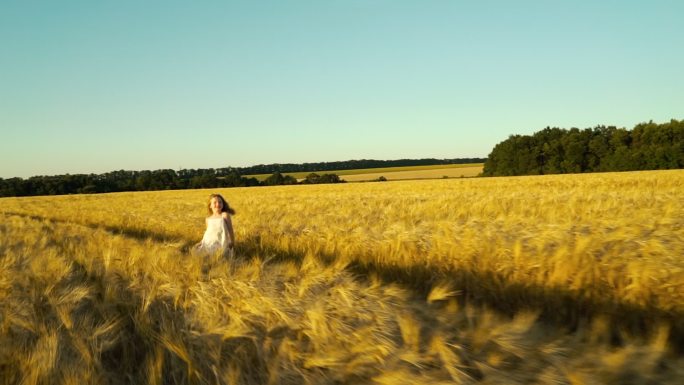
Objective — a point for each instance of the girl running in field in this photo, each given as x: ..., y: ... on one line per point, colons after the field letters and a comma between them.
x: 219, y: 235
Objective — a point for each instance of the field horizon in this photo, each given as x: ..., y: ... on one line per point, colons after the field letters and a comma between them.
x: 393, y: 173
x: 565, y: 278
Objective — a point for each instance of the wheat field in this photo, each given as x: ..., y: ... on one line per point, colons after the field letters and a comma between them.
x: 395, y: 173
x: 574, y: 279
x: 435, y: 173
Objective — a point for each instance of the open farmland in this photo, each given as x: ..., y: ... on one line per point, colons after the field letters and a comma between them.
x: 570, y: 279
x: 434, y: 173
x: 396, y: 173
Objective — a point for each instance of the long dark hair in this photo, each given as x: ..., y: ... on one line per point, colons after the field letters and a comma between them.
x: 225, y: 207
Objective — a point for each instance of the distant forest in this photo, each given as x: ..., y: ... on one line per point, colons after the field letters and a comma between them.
x: 350, y: 165
x: 649, y: 146
x: 168, y: 179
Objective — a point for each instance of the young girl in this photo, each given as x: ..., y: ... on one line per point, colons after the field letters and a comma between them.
x: 219, y: 234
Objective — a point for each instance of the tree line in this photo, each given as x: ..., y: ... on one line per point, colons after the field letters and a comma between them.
x: 117, y: 181
x: 168, y: 179
x: 349, y: 165
x: 648, y: 146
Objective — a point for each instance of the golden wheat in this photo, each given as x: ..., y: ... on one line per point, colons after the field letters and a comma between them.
x: 444, y: 281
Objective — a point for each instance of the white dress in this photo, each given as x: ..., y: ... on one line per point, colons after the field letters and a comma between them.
x: 216, y: 237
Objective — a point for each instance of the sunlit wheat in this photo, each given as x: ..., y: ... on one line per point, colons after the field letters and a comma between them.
x: 554, y: 279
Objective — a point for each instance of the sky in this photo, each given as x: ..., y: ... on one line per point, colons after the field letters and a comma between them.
x: 96, y: 86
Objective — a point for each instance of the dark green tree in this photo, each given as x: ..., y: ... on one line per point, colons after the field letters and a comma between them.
x: 649, y: 146
x: 279, y: 179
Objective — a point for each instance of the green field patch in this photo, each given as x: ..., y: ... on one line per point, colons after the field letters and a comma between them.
x: 301, y: 175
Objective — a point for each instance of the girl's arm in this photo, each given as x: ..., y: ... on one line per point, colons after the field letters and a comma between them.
x: 229, y: 224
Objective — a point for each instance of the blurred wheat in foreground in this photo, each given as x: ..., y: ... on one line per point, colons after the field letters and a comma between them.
x: 555, y: 279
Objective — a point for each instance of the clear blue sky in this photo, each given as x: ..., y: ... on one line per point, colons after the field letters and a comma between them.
x: 96, y: 86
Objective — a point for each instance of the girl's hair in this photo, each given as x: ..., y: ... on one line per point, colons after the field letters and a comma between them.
x: 226, y: 208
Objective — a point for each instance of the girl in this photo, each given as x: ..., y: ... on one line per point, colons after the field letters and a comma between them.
x: 219, y: 234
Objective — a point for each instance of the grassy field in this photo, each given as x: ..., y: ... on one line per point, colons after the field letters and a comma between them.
x: 575, y: 279
x: 395, y: 173
x: 435, y: 173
